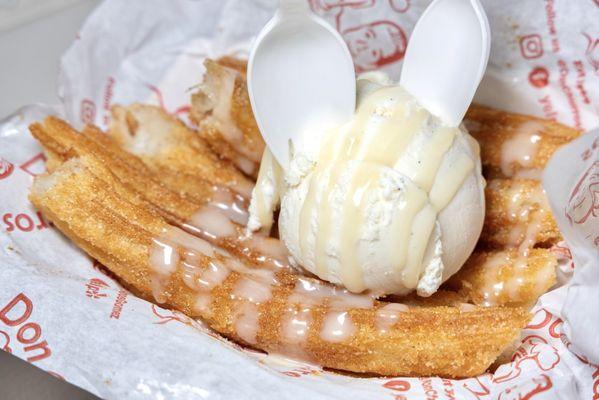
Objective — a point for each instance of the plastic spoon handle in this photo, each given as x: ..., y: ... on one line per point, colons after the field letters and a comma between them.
x: 447, y: 56
x: 301, y: 80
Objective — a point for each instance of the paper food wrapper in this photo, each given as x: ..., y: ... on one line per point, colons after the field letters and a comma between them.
x: 62, y: 314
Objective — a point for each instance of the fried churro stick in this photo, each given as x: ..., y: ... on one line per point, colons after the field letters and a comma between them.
x: 261, y: 307
x: 61, y: 139
x: 506, y: 277
x: 221, y: 109
x: 180, y: 202
x: 191, y: 187
x: 146, y: 130
x: 517, y: 215
x: 514, y: 145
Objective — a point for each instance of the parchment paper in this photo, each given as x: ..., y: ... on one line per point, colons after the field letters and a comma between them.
x: 63, y: 314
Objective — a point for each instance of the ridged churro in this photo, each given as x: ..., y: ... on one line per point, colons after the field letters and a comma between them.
x: 165, y: 143
x: 269, y: 309
x: 221, y: 109
x: 517, y: 215
x: 515, y: 145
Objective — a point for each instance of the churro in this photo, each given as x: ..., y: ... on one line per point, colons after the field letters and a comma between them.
x: 271, y: 309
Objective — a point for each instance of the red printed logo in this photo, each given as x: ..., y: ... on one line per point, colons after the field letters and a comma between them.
x: 94, y: 287
x: 539, y: 77
x: 166, y: 316
x: 178, y: 111
x: 328, y: 5
x: 107, y: 99
x: 16, y: 315
x: 301, y: 371
x: 478, y: 389
x: 531, y: 355
x: 119, y: 303
x: 531, y: 46
x: 584, y: 200
x: 87, y: 111
x: 5, y: 342
x: 585, y: 155
x: 35, y: 166
x: 527, y: 390
x: 400, y: 6
x: 376, y: 44
x: 24, y: 222
x: 592, y: 51
x: 539, y: 322
x: 399, y: 385
x: 6, y: 168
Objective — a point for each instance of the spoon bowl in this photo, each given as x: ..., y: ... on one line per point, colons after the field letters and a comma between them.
x: 301, y: 80
x: 447, y: 56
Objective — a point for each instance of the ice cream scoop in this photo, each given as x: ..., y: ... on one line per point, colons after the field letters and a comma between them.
x: 393, y: 202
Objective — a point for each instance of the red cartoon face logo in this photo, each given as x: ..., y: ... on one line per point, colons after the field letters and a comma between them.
x: 527, y: 390
x: 535, y: 353
x: 376, y: 44
x: 539, y: 77
x: 592, y: 51
x: 584, y: 201
x: 6, y: 169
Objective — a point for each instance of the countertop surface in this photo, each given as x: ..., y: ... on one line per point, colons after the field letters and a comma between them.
x: 30, y: 51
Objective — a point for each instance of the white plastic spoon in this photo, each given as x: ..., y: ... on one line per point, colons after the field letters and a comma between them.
x: 301, y: 80
x: 447, y: 56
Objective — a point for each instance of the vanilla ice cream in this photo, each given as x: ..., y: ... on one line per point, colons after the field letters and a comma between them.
x: 392, y: 201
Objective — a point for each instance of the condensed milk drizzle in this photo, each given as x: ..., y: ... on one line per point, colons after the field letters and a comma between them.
x: 202, y: 267
x: 197, y: 254
x: 519, y: 152
x: 224, y: 218
x: 388, y: 315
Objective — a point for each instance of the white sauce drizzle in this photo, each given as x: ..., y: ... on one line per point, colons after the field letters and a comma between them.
x: 232, y: 205
x: 518, y: 153
x: 176, y: 248
x: 388, y: 315
x: 247, y: 322
x: 254, y: 291
x: 202, y: 303
x: 296, y: 325
x: 211, y: 224
x: 337, y: 327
